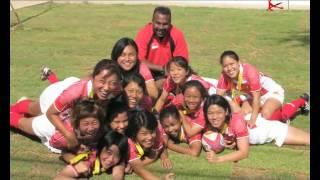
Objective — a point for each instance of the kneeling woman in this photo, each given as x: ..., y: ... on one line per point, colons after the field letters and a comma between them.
x: 219, y: 118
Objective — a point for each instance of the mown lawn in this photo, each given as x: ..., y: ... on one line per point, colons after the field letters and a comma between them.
x: 71, y: 38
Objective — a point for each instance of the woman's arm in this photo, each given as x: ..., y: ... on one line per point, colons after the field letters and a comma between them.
x: 160, y: 102
x: 221, y: 92
x: 190, y: 128
x: 118, y: 171
x: 255, y: 108
x: 164, y: 158
x: 241, y: 153
x: 194, y: 149
x: 53, y: 116
x: 152, y: 89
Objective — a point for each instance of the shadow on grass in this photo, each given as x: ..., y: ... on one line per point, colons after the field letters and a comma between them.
x: 32, y: 137
x: 297, y: 38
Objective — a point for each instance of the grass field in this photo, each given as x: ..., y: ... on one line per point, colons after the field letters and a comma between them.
x: 71, y: 38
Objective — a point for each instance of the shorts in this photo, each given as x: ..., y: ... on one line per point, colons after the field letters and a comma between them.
x: 267, y: 131
x: 275, y: 91
x: 44, y: 129
x: 49, y: 95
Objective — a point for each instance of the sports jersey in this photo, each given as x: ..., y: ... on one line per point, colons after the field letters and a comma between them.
x: 237, y: 127
x: 252, y: 80
x: 177, y: 100
x: 82, y: 88
x: 145, y: 72
x: 184, y: 138
x: 159, y: 51
x: 135, y: 149
x: 197, y: 118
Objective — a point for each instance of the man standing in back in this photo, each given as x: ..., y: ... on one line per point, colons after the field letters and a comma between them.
x: 158, y: 42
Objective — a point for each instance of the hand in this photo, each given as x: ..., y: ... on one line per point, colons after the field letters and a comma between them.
x: 229, y: 144
x: 169, y: 176
x: 82, y: 168
x: 128, y: 169
x: 166, y: 163
x: 251, y: 124
x: 212, y: 157
x: 71, y: 140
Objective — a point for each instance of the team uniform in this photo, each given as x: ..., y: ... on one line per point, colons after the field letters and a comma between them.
x: 267, y: 131
x: 159, y: 51
x: 136, y: 151
x: 61, y: 94
x: 92, y: 162
x: 252, y: 80
x: 184, y: 138
x: 196, y: 118
x: 177, y: 99
x: 237, y: 127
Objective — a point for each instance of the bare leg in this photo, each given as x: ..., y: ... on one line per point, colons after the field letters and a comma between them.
x: 246, y: 107
x: 297, y: 136
x: 34, y: 108
x: 269, y: 107
x: 25, y: 125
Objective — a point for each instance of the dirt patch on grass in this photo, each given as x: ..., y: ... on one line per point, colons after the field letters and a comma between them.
x: 259, y: 173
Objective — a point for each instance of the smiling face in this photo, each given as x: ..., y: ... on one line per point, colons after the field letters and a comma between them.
x: 89, y: 126
x: 128, y: 58
x: 177, y: 73
x: 146, y: 138
x: 109, y: 156
x: 106, y: 86
x: 216, y: 116
x: 134, y: 93
x: 171, y: 126
x: 161, y: 24
x: 230, y: 67
x: 192, y: 98
x: 120, y: 122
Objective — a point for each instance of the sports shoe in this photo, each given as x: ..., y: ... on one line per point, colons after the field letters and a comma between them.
x: 306, y: 108
x: 44, y: 73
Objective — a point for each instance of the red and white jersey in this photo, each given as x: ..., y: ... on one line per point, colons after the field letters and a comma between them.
x: 58, y: 140
x: 145, y: 72
x: 79, y: 89
x: 157, y: 146
x: 237, y: 126
x: 197, y: 118
x: 252, y: 80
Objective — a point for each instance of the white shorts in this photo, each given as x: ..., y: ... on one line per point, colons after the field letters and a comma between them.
x: 49, y: 94
x: 267, y: 131
x: 214, y: 82
x: 44, y: 129
x: 275, y: 91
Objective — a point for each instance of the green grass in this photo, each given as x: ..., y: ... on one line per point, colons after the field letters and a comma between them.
x: 71, y: 38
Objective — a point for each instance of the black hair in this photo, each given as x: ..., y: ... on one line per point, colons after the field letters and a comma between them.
x: 114, y: 138
x: 137, y: 78
x: 114, y: 108
x: 216, y: 100
x: 182, y: 62
x: 229, y: 53
x: 162, y: 10
x: 117, y: 50
x: 106, y: 64
x: 83, y: 108
x: 168, y: 111
x: 141, y: 118
x: 196, y: 84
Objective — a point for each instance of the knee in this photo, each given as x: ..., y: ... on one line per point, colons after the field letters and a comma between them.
x: 265, y: 113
